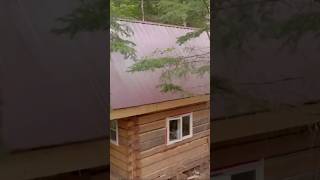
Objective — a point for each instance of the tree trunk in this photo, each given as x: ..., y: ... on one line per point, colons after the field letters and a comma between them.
x: 184, y: 23
x: 142, y: 10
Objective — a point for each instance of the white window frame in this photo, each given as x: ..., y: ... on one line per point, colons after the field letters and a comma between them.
x: 225, y: 174
x: 179, y: 127
x: 117, y: 133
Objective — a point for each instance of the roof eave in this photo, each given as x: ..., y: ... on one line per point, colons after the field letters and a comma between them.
x: 161, y: 106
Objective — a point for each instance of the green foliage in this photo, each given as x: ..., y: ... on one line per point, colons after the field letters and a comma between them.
x: 124, y: 47
x: 190, y: 35
x: 118, y: 43
x: 152, y: 64
x: 202, y: 70
x: 173, y: 68
x: 184, y: 12
x: 180, y: 12
x: 128, y: 9
x: 169, y: 87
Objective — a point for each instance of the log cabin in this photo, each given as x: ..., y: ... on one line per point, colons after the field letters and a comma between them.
x: 156, y: 135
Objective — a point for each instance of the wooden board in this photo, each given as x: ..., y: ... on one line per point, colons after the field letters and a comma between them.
x: 198, y: 122
x: 201, y: 114
x: 190, y: 154
x: 162, y: 106
x: 118, y: 155
x: 118, y: 163
x: 152, y: 134
x: 121, y: 149
x: 165, y: 147
x: 157, y: 141
x: 118, y: 172
x: 173, y: 170
x: 200, y: 128
x: 174, y: 112
x: 151, y: 126
x: 172, y: 152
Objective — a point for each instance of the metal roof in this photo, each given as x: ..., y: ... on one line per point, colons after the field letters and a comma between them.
x: 140, y: 88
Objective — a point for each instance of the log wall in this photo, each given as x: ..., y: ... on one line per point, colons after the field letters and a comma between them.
x: 145, y: 148
x: 119, y: 153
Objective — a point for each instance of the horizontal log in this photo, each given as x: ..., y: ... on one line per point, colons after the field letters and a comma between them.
x: 157, y: 141
x: 201, y: 114
x: 118, y: 163
x: 172, y: 152
x: 201, y: 121
x: 201, y: 128
x: 118, y: 172
x: 119, y: 148
x: 123, y: 132
x: 165, y: 147
x: 174, y: 112
x: 152, y: 126
x: 152, y: 134
x: 118, y: 155
x: 191, y: 154
x: 161, y: 106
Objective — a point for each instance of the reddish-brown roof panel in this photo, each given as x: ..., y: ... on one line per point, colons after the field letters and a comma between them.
x: 140, y: 88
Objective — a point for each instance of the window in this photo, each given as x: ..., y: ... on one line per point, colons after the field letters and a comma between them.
x: 114, y: 132
x: 252, y: 171
x: 179, y: 128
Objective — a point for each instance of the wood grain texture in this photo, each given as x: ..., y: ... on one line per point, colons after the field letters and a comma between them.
x: 173, y: 112
x: 200, y: 128
x: 172, y: 152
x: 152, y: 134
x: 165, y: 147
x: 162, y: 106
x: 179, y: 158
x: 144, y: 144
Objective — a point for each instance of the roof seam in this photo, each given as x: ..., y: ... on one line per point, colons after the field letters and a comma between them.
x: 157, y: 24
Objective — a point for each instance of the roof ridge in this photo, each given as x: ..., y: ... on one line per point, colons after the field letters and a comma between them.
x: 156, y: 23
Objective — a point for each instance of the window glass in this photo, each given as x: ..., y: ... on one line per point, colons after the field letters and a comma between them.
x: 185, y: 125
x: 113, y: 131
x: 113, y: 135
x: 174, y: 129
x: 113, y: 124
